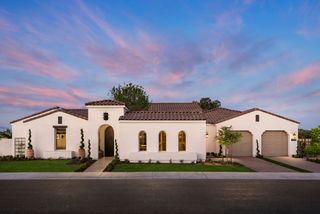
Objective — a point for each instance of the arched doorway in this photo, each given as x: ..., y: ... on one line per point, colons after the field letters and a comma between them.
x: 109, y: 142
x: 106, y: 141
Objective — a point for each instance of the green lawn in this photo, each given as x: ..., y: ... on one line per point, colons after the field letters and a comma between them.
x: 163, y: 167
x: 38, y: 166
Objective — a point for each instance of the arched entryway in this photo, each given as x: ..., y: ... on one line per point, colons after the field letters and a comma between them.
x: 106, y: 141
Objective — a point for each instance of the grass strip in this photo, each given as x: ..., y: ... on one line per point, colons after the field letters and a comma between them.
x: 164, y: 167
x: 285, y: 165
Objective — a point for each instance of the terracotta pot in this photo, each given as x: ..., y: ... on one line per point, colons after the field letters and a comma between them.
x: 30, y: 153
x: 82, y: 154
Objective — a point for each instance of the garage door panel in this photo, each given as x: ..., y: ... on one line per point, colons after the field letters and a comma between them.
x: 275, y: 143
x: 244, y: 147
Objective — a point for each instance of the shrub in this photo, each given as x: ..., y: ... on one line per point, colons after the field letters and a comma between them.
x: 139, y: 161
x: 82, y: 139
x: 150, y: 161
x: 29, y: 140
x: 158, y: 162
x: 170, y: 161
x: 126, y: 161
x: 181, y: 161
x: 116, y: 157
x: 258, y: 155
x: 313, y: 149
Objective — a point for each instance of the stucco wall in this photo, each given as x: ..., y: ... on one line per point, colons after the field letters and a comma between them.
x: 195, y: 140
x: 43, y: 134
x: 5, y: 147
x: 95, y: 121
x: 267, y: 122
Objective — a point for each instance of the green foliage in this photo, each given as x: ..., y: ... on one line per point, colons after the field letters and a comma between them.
x: 82, y: 139
x: 116, y: 157
x: 6, y: 134
x: 313, y: 149
x: 134, y: 96
x: 258, y: 155
x: 29, y: 140
x: 304, y: 133
x: 315, y: 135
x: 89, y: 150
x: 111, y: 165
x: 207, y: 104
x: 227, y: 137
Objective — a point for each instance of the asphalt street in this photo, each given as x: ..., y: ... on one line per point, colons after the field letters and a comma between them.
x: 159, y: 196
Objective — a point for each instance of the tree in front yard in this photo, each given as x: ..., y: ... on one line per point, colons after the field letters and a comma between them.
x: 134, y: 96
x: 227, y: 137
x: 315, y: 134
x: 314, y: 148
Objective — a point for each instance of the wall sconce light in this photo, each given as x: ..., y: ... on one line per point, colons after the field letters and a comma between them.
x: 294, y: 137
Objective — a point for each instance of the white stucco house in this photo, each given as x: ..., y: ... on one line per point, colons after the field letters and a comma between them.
x: 163, y: 132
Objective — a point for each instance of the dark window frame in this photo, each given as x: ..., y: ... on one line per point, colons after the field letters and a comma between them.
x: 257, y: 118
x: 59, y: 119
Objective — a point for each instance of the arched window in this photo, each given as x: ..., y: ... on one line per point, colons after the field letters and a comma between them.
x: 182, y: 141
x: 162, y: 141
x: 142, y: 141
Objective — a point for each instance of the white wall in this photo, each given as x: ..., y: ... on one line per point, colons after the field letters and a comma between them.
x: 211, y: 145
x: 43, y: 134
x: 95, y: 121
x: 267, y: 122
x: 195, y: 140
x: 5, y: 147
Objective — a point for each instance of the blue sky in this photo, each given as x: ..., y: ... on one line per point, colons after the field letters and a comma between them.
x: 245, y: 53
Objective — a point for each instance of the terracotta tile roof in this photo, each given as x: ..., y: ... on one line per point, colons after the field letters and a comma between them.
x: 220, y: 114
x: 167, y: 111
x: 152, y: 115
x: 104, y: 103
x: 81, y: 113
x: 175, y: 107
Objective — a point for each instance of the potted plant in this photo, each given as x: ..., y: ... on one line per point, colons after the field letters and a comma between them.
x: 30, y: 153
x: 82, y: 152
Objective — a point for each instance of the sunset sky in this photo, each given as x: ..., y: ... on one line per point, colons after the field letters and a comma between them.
x: 247, y: 54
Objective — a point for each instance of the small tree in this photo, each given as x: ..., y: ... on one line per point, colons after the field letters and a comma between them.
x: 116, y: 157
x: 134, y: 96
x: 29, y: 140
x: 89, y: 150
x: 227, y: 137
x: 315, y: 135
x: 82, y: 139
x: 258, y: 155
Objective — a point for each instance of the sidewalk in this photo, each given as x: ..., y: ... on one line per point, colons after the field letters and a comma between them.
x: 298, y: 162
x: 161, y: 175
x: 99, y: 165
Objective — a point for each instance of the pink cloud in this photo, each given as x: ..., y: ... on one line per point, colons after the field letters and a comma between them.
x: 32, y: 96
x: 297, y: 78
x: 164, y: 93
x: 33, y: 60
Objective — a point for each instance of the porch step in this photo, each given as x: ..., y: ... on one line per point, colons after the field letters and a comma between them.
x: 99, y: 165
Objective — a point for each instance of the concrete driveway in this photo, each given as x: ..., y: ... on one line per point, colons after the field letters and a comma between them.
x: 261, y: 165
x: 298, y: 162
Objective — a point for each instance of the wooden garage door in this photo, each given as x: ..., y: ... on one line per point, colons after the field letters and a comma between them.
x: 275, y: 143
x: 244, y: 147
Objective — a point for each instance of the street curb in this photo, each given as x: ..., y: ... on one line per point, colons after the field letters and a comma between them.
x: 161, y: 175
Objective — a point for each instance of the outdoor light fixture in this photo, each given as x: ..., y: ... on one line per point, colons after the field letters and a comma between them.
x: 294, y: 137
x: 105, y: 116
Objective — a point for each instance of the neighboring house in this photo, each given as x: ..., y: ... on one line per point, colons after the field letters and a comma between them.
x: 163, y: 132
